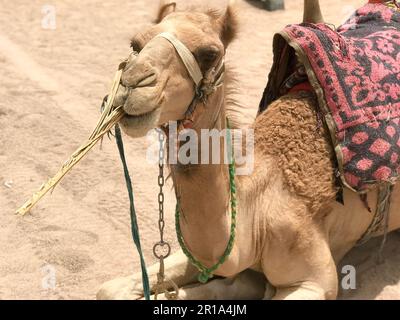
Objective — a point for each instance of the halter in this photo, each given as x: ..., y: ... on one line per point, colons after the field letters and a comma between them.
x: 205, y: 85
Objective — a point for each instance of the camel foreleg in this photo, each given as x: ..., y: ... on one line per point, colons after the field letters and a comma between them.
x: 247, y: 285
x: 177, y: 268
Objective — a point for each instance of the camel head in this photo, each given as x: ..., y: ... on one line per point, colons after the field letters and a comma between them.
x: 157, y: 86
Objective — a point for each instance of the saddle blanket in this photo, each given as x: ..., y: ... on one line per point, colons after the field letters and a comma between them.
x: 355, y: 72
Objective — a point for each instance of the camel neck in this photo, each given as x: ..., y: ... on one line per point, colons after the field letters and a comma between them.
x: 203, y: 193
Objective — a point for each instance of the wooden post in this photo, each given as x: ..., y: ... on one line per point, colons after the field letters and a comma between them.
x: 312, y: 12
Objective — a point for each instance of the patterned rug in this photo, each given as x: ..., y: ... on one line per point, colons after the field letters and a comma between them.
x: 355, y: 72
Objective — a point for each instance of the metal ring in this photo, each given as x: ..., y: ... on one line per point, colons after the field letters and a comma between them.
x: 161, y: 245
x: 199, y: 93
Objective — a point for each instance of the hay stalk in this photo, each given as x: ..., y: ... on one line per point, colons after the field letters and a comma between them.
x: 108, y: 119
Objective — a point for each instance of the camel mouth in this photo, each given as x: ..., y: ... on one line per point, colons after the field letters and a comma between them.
x: 141, y: 116
x: 131, y: 117
x: 137, y: 124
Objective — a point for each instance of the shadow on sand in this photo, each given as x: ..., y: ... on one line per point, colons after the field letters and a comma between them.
x: 372, y: 276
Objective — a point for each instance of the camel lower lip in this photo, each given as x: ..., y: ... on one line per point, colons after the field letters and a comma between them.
x: 138, y: 116
x: 140, y: 120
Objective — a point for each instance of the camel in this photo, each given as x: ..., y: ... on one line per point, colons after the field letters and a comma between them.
x: 291, y: 233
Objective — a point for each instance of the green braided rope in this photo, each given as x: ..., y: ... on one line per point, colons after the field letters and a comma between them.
x: 207, y: 273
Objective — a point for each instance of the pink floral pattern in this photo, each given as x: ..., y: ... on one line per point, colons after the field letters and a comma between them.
x: 358, y: 71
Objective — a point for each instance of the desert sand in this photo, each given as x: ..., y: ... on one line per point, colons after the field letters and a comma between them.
x: 52, y: 83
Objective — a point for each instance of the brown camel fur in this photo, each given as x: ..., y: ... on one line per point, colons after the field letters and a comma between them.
x: 291, y: 133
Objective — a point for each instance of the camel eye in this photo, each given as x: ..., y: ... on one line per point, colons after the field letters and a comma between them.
x: 207, y: 57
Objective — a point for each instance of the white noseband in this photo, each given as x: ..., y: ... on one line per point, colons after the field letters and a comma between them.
x: 205, y: 84
x: 187, y: 57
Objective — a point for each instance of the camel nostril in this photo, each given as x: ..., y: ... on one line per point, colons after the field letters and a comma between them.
x: 135, y: 81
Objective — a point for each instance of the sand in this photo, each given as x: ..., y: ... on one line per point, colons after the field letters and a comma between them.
x: 52, y: 85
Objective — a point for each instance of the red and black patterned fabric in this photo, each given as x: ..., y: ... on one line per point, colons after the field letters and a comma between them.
x: 355, y: 72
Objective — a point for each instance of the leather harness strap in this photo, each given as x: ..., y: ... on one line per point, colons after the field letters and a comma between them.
x: 205, y: 84
x: 187, y: 57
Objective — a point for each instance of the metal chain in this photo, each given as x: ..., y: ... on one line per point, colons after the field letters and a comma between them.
x: 161, y: 222
x: 162, y: 249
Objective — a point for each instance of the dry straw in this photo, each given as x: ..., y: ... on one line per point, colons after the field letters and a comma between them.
x: 109, y: 118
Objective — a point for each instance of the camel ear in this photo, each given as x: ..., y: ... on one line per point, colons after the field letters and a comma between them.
x: 165, y: 8
x: 229, y: 24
